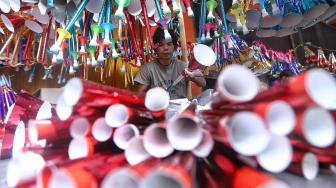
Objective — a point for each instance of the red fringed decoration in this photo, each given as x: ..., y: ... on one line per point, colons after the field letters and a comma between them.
x: 321, y: 59
x: 332, y: 62
x: 310, y: 56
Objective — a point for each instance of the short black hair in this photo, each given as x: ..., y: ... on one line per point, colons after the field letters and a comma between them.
x: 159, y: 35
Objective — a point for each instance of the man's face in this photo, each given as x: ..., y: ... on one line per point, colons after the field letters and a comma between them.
x: 165, y: 49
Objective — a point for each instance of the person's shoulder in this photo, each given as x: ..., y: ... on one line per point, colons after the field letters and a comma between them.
x: 148, y: 65
x: 181, y: 64
x: 151, y: 63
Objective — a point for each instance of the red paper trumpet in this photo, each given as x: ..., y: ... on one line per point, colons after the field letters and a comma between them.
x: 80, y: 127
x: 305, y: 164
x: 225, y: 160
x: 277, y: 156
x: 310, y: 88
x: 26, y: 108
x: 204, y: 148
x: 20, y: 139
x: 87, y: 146
x: 21, y: 171
x: 322, y: 158
x: 123, y: 134
x: 184, y: 132
x: 245, y: 132
x: 50, y: 153
x: 314, y: 87
x: 279, y: 116
x: 88, y: 93
x: 135, y: 151
x: 101, y: 131
x: 64, y: 111
x: 129, y: 176
x: 302, y: 146
x: 317, y: 126
x: 46, y: 111
x: 224, y: 164
x: 235, y: 84
x: 88, y: 174
x: 157, y: 101
x: 51, y: 130
x: 177, y: 171
x: 156, y: 141
x: 247, y: 177
x: 119, y: 114
x: 208, y: 176
x: 44, y: 176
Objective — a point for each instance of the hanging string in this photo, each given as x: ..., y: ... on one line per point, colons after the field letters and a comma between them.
x: 102, y: 13
x: 158, y: 8
x: 108, y: 11
x: 222, y: 10
x: 174, y: 25
x: 200, y: 26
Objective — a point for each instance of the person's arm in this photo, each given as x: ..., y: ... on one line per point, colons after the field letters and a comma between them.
x: 141, y: 89
x: 199, y: 81
x: 195, y: 76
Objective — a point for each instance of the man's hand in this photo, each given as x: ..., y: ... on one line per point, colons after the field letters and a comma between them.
x: 140, y: 89
x: 195, y: 76
x: 190, y: 74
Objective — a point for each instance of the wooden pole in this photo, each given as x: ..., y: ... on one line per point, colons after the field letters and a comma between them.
x: 184, y: 49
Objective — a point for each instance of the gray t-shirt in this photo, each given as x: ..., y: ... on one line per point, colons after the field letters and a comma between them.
x: 153, y: 74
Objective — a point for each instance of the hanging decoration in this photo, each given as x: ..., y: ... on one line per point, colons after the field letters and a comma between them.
x: 279, y: 18
x: 310, y: 56
x: 231, y: 49
x: 8, y: 98
x: 67, y: 34
x: 332, y: 62
x: 322, y: 61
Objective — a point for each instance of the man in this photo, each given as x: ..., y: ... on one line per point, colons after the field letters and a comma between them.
x: 163, y: 71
